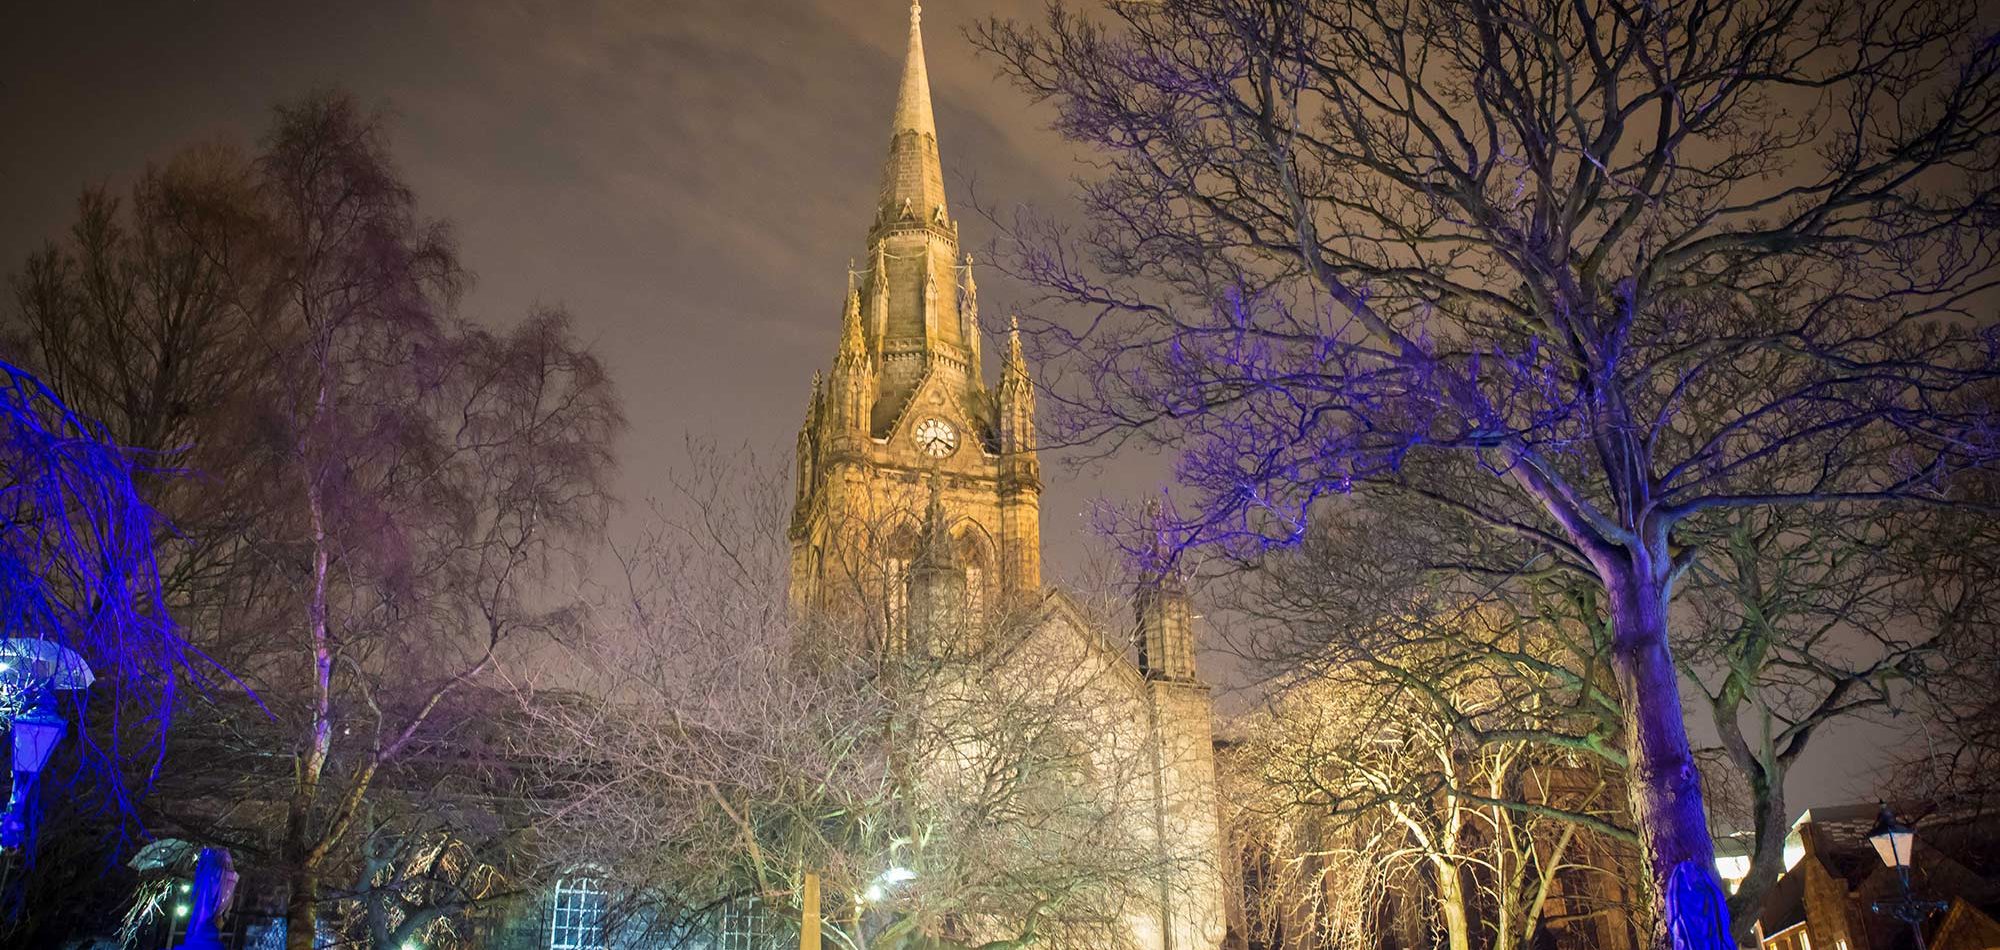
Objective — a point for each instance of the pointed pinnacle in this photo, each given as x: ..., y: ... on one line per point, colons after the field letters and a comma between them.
x: 852, y: 344
x: 913, y: 103
x: 1015, y: 361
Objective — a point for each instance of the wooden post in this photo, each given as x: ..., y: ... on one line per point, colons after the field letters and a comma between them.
x: 809, y: 913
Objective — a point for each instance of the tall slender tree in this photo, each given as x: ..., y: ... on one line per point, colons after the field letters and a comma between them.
x: 431, y: 472
x: 1615, y: 257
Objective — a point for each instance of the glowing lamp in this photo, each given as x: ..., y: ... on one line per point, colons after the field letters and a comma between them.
x: 36, y: 733
x: 31, y: 671
x: 885, y: 881
x: 1892, y: 840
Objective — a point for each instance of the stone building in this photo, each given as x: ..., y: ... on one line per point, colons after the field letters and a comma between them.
x: 918, y: 498
x: 1832, y: 897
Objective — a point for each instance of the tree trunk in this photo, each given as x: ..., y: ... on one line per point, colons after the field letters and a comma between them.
x: 302, y: 852
x: 301, y: 908
x: 1451, y: 901
x: 1767, y: 862
x: 1663, y: 782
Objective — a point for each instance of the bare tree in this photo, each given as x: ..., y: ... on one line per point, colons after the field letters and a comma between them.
x: 138, y: 320
x: 960, y: 790
x: 1615, y: 257
x: 146, y: 318
x: 1806, y: 617
x: 1955, y: 748
x: 1440, y: 777
x: 425, y: 477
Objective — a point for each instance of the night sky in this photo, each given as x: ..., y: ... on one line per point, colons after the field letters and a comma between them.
x: 688, y: 177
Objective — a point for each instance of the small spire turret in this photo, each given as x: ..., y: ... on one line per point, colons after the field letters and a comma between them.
x: 1017, y: 398
x: 968, y: 316
x: 808, y: 449
x: 852, y: 383
x: 1164, y: 632
x: 878, y: 297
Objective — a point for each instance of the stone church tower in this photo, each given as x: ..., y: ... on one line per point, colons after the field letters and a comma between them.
x: 919, y: 496
x: 905, y: 399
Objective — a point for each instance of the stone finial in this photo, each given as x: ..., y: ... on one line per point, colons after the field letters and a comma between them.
x: 852, y: 342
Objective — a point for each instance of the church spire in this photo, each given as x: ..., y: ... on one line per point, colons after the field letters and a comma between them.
x: 913, y: 178
x: 913, y: 106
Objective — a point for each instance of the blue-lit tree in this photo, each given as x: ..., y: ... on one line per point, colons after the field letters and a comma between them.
x: 77, y: 570
x: 1583, y: 274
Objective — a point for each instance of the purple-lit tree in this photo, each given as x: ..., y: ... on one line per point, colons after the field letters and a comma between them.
x: 431, y: 477
x: 1615, y: 259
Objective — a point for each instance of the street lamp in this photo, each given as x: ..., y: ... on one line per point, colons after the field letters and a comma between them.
x: 1893, y: 841
x: 31, y: 671
x: 886, y: 882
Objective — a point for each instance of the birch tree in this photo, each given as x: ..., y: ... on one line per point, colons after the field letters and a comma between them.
x: 432, y: 475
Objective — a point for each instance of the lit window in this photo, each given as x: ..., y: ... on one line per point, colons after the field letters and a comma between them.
x: 742, y: 926
x: 576, y: 915
x: 1791, y: 938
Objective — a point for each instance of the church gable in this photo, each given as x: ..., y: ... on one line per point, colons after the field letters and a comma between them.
x: 942, y: 395
x: 1063, y: 628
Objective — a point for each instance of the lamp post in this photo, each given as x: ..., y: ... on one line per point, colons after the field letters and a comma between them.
x: 1893, y: 841
x: 31, y: 671
x: 878, y: 892
x: 36, y: 733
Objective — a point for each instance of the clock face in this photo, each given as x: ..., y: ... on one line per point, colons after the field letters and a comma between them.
x: 935, y: 438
